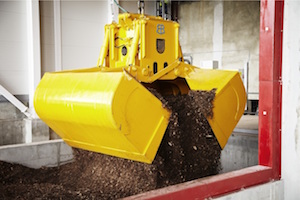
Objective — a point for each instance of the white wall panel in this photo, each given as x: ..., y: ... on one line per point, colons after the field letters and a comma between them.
x: 82, y: 32
x: 90, y: 11
x: 291, y: 100
x: 76, y: 57
x: 13, y: 46
x: 12, y: 7
x: 13, y: 56
x: 12, y: 26
x: 15, y: 81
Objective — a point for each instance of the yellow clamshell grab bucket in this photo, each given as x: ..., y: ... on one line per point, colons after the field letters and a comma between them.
x: 107, y: 112
x: 108, y: 109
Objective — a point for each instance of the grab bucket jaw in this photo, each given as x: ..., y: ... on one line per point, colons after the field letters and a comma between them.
x: 107, y: 112
x: 230, y: 99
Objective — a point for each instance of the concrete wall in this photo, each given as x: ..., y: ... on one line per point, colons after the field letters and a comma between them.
x: 13, y: 47
x: 240, y: 152
x: 241, y: 39
x: 291, y: 100
x: 196, y: 29
x: 226, y: 31
x: 131, y: 6
x: 40, y: 154
x: 15, y: 128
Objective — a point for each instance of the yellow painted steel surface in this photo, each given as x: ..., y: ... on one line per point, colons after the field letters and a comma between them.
x: 148, y: 41
x: 106, y: 109
x: 229, y: 102
x: 107, y: 112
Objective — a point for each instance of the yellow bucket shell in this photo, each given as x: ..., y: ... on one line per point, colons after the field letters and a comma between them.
x: 229, y: 102
x: 107, y: 112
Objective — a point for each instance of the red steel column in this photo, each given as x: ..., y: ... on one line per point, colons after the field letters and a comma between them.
x: 270, y: 62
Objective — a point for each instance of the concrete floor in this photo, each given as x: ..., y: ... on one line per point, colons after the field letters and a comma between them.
x: 248, y: 122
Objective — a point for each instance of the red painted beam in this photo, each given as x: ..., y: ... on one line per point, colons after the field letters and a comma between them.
x: 270, y: 64
x: 270, y: 40
x: 211, y: 186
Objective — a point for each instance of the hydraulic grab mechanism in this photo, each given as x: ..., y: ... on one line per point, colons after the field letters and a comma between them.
x: 109, y: 109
